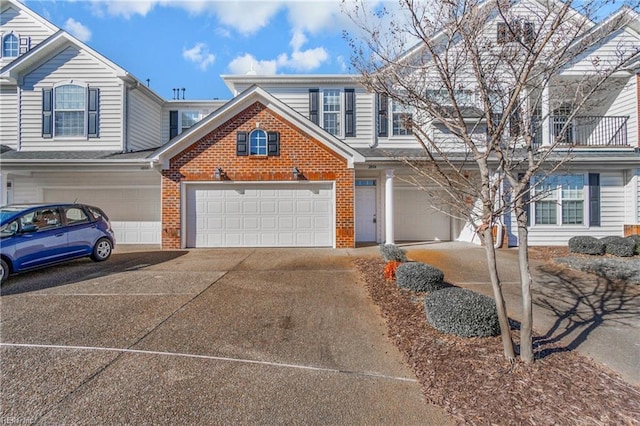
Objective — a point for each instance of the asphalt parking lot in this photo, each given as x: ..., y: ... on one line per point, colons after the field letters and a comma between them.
x: 243, y: 336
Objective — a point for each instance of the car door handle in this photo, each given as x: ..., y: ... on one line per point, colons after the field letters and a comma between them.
x: 60, y: 234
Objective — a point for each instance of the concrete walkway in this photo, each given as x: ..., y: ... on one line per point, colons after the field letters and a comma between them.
x: 202, y: 337
x: 591, y: 315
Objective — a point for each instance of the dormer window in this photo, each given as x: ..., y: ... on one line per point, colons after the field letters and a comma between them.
x: 10, y: 46
x: 258, y: 142
x: 517, y: 30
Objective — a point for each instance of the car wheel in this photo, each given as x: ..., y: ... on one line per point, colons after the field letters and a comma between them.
x: 4, y: 271
x: 102, y: 250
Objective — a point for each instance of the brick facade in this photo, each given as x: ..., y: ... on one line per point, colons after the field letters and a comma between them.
x: 218, y: 149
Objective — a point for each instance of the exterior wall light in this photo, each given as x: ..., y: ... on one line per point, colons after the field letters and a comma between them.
x: 217, y: 175
x: 296, y: 173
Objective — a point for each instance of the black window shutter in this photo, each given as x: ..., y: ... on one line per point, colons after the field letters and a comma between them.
x: 273, y: 143
x: 314, y: 103
x: 594, y: 199
x: 47, y: 113
x: 173, y: 124
x: 383, y: 123
x: 93, y: 107
x: 349, y: 112
x: 242, y: 143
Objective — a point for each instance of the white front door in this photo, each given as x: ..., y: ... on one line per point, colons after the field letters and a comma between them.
x: 365, y: 210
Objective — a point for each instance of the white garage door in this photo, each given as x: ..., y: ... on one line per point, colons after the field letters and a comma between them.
x: 260, y: 215
x: 416, y: 220
x: 134, y: 212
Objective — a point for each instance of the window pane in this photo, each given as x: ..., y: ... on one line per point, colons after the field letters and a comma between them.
x: 70, y: 123
x: 572, y: 212
x: 401, y: 119
x: 10, y: 46
x: 331, y: 111
x: 258, y: 143
x: 70, y: 97
x: 189, y: 118
x: 546, y: 213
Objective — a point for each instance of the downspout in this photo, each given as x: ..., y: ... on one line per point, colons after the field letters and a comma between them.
x: 19, y: 114
x: 125, y: 117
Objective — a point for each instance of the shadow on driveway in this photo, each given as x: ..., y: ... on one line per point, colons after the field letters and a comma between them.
x: 84, y: 269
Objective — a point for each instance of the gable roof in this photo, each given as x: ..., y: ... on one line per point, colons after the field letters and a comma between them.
x: 58, y: 41
x: 14, y: 4
x: 239, y: 103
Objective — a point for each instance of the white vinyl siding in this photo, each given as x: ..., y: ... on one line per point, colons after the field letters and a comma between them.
x: 619, y: 43
x: 612, y: 212
x: 144, y: 125
x: 130, y: 199
x: 76, y: 65
x: 9, y: 114
x: 625, y: 104
x: 204, y: 108
x: 23, y: 25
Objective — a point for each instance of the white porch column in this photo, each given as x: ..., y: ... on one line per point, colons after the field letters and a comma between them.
x: 388, y: 208
x: 546, y: 116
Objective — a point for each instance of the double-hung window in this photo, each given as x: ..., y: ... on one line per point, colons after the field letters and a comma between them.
x: 331, y: 111
x: 69, y: 110
x: 560, y: 200
x: 188, y: 119
x: 401, y: 119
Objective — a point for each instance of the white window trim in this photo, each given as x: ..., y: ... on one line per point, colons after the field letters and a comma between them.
x: 2, y: 36
x: 85, y: 86
x: 340, y: 113
x: 586, y: 219
x: 182, y: 111
x: 390, y: 114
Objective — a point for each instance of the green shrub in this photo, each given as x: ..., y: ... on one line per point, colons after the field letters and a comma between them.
x: 416, y: 276
x: 636, y: 241
x: 462, y: 312
x: 619, y: 246
x: 391, y: 252
x: 586, y: 245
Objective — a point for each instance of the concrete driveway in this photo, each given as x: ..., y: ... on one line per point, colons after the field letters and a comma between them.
x: 246, y: 336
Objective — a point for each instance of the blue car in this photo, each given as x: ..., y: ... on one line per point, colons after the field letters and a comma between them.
x: 37, y: 235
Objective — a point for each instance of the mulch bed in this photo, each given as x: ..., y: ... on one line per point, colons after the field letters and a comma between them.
x: 472, y: 380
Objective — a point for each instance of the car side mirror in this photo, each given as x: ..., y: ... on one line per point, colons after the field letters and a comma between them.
x: 27, y: 229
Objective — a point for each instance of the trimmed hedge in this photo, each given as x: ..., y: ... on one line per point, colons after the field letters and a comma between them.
x: 636, y: 240
x: 586, y: 245
x: 391, y: 252
x: 417, y: 276
x: 619, y: 246
x: 462, y: 312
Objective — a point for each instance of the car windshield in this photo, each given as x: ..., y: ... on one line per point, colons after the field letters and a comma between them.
x: 8, y: 212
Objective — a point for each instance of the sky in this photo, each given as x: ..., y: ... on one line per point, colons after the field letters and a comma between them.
x: 190, y: 43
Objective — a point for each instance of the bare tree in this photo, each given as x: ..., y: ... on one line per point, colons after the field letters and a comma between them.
x: 477, y: 82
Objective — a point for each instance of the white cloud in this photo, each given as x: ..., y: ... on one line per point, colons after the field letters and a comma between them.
x: 200, y: 55
x: 78, y: 30
x: 247, y: 63
x: 127, y: 9
x: 304, y: 60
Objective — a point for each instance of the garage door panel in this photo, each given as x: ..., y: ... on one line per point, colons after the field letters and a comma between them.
x: 277, y: 215
x: 415, y: 219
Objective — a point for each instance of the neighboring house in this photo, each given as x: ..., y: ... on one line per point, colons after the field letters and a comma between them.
x: 290, y: 160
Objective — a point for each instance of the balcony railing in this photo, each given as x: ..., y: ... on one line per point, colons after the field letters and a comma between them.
x: 586, y: 131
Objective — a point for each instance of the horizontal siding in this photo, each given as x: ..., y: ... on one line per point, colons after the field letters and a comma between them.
x: 612, y: 206
x: 144, y: 125
x: 72, y: 64
x: 203, y: 108
x: 617, y: 45
x: 22, y: 25
x: 29, y: 189
x: 9, y: 114
x: 625, y: 104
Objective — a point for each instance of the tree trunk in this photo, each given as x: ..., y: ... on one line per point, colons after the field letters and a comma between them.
x: 526, y: 327
x: 505, y: 328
